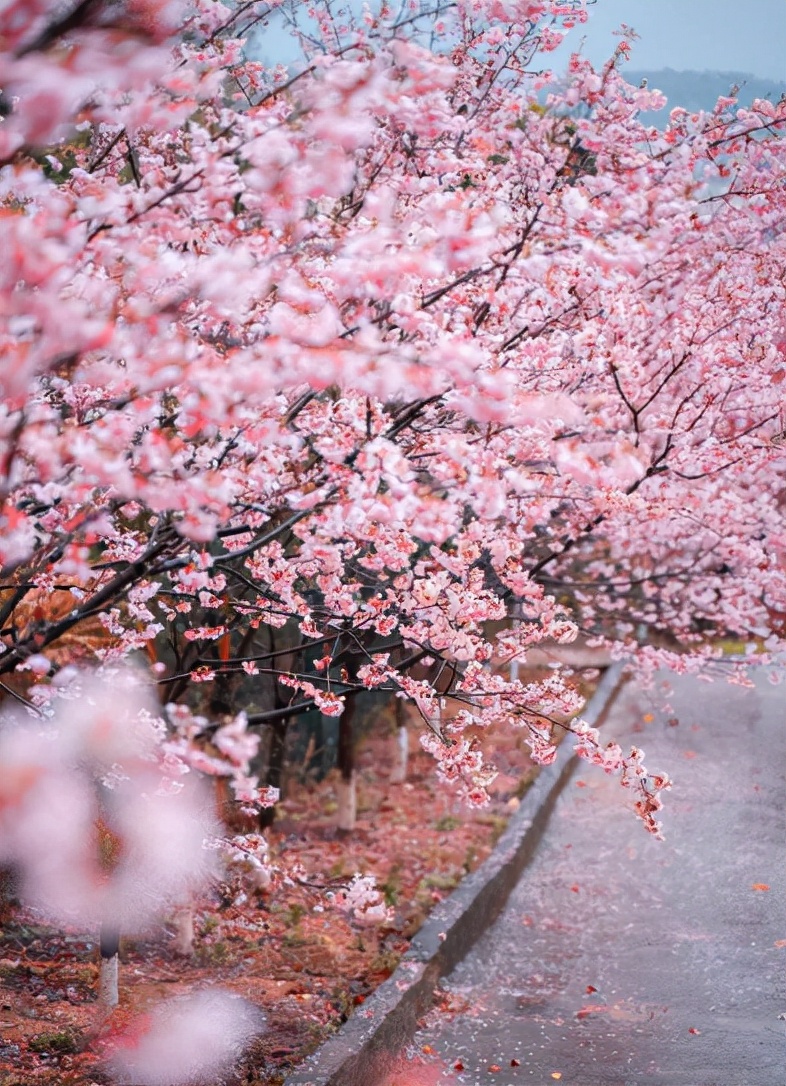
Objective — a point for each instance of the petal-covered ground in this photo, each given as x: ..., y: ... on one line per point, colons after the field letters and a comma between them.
x: 305, y: 964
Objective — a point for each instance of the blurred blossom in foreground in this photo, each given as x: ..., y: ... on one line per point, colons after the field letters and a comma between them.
x: 95, y: 825
x: 191, y: 1039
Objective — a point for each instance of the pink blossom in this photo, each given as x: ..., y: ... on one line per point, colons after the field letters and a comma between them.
x: 193, y: 1038
x: 364, y: 901
x: 387, y: 350
x: 329, y: 703
x: 50, y: 796
x: 205, y: 633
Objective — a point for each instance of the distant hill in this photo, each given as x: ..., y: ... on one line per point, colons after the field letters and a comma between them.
x: 700, y: 90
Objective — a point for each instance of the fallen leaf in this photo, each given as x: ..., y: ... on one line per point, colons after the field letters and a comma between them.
x: 515, y: 1063
x: 458, y: 1066
x: 760, y: 886
x: 494, y: 1067
x: 695, y: 1032
x: 575, y: 888
x: 556, y: 1074
x: 590, y: 988
x: 780, y: 943
x: 590, y: 1008
x: 648, y: 718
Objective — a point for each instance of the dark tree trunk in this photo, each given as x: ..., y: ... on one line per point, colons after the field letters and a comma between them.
x: 275, y: 767
x: 109, y: 947
x: 345, y: 755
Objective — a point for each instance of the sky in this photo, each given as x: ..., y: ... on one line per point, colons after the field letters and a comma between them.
x: 725, y: 35
x: 721, y: 35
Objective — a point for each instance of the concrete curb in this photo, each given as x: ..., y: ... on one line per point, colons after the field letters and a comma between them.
x: 361, y: 1052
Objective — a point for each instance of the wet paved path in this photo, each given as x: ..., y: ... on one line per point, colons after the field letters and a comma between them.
x: 621, y: 960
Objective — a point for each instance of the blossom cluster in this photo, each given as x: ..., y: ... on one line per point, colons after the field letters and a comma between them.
x: 317, y: 371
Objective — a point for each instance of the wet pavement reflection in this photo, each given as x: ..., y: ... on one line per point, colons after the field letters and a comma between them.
x: 621, y: 960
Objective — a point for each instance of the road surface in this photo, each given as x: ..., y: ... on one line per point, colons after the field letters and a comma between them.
x: 621, y: 960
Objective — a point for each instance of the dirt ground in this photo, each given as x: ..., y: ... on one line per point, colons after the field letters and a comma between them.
x: 305, y: 965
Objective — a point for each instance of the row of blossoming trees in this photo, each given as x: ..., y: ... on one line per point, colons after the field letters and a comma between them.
x: 313, y: 374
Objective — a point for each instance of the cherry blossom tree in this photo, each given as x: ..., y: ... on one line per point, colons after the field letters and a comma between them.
x: 316, y: 375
